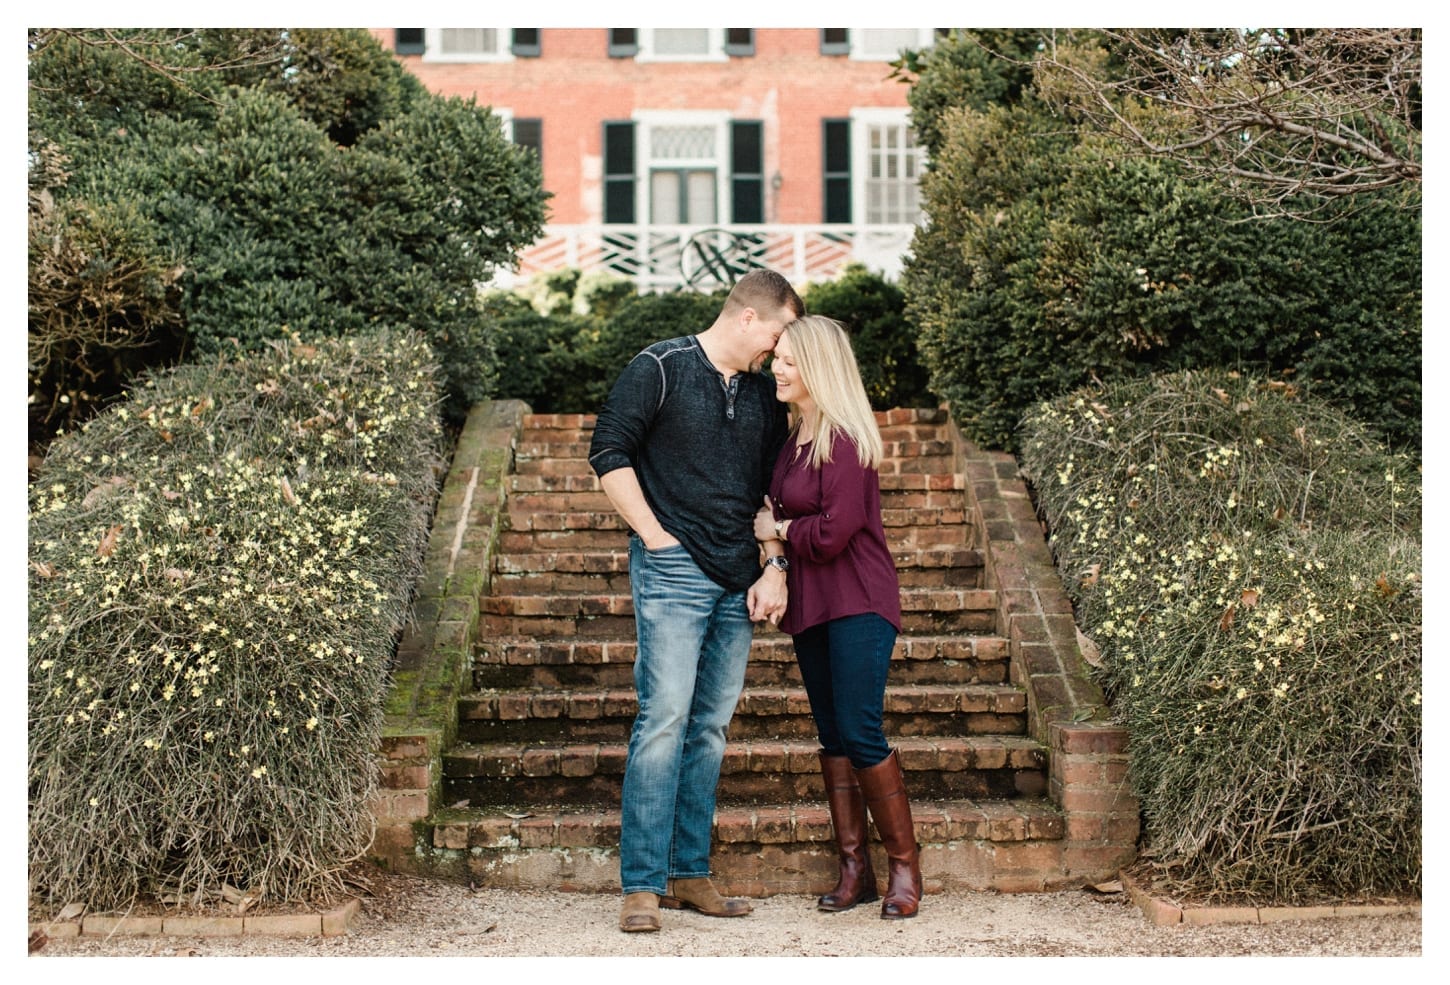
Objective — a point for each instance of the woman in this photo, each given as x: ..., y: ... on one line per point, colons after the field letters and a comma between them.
x: 845, y: 607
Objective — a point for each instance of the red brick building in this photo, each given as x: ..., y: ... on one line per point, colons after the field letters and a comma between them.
x: 671, y: 152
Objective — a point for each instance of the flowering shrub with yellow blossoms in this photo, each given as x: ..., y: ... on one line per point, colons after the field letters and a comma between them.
x: 1246, y: 562
x: 219, y: 566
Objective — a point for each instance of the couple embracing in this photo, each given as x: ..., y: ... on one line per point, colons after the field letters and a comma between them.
x: 713, y: 465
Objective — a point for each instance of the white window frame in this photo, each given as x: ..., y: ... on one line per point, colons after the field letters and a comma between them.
x: 925, y: 38
x: 714, y: 47
x: 644, y: 162
x: 861, y: 119
x: 433, y: 48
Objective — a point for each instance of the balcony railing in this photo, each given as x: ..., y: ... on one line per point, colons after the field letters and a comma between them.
x: 666, y: 258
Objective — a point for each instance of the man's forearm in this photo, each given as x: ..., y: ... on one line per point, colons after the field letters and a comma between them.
x: 623, y: 489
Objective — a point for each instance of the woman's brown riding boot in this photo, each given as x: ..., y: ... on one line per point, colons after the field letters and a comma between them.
x: 857, y: 883
x: 884, y: 788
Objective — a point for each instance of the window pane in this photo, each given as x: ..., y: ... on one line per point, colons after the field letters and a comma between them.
x: 877, y: 42
x: 702, y: 197
x: 664, y: 197
x: 469, y: 40
x: 682, y: 40
x: 893, y: 165
x: 682, y: 143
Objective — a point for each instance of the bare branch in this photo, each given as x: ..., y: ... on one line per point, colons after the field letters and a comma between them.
x: 1290, y: 118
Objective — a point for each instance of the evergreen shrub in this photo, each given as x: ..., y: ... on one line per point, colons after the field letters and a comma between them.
x: 873, y: 310
x: 219, y: 567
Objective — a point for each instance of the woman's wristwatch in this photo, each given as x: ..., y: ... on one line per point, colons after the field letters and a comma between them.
x: 780, y: 529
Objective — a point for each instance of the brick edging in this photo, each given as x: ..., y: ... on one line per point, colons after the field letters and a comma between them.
x: 434, y: 654
x: 1163, y: 912
x: 324, y: 923
x: 1066, y: 709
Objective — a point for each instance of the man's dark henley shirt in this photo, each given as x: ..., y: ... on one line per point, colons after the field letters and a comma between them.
x: 702, y: 448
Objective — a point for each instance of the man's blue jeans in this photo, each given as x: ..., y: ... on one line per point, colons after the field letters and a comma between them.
x: 843, y: 664
x: 694, y: 643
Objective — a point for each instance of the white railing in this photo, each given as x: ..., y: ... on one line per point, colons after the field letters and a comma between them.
x: 664, y: 258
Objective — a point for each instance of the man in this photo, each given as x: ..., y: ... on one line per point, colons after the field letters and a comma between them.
x: 683, y: 448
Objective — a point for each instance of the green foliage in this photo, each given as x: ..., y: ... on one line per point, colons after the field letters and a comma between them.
x: 639, y: 322
x: 297, y: 179
x: 219, y: 567
x: 981, y: 68
x: 871, y: 308
x: 103, y: 305
x: 1247, y: 561
x: 1050, y: 262
x: 542, y: 356
x: 601, y: 292
x: 343, y: 81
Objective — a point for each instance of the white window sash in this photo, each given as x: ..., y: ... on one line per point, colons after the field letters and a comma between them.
x: 645, y: 164
x: 649, y: 47
x: 872, y: 192
x: 433, y: 48
x: 921, y: 37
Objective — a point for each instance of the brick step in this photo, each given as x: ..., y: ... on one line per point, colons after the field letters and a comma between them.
x: 592, y: 583
x: 753, y: 771
x: 530, y: 714
x: 612, y: 626
x: 533, y: 446
x: 605, y: 572
x: 537, y: 461
x: 966, y: 844
x: 923, y: 610
x: 593, y: 500
x: 946, y: 514
x: 905, y: 531
x: 531, y: 662
x: 895, y: 482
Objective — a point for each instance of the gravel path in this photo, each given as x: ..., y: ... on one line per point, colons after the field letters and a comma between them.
x: 416, y: 917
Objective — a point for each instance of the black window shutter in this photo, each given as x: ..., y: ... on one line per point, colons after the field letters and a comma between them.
x: 526, y: 43
x: 837, y: 170
x: 619, y: 172
x: 740, y: 41
x: 530, y: 133
x: 623, y: 42
x: 747, y: 171
x: 835, y: 40
x: 408, y: 40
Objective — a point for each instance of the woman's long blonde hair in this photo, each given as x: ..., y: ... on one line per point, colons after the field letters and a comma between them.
x: 823, y: 356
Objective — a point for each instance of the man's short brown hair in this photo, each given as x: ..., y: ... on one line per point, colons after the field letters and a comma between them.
x: 765, y: 290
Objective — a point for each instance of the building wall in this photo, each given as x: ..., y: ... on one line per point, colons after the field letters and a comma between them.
x: 574, y: 86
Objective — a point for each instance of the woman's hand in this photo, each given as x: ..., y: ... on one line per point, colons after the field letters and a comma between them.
x: 765, y: 523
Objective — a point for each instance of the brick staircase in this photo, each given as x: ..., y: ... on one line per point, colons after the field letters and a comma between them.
x: 1014, y: 787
